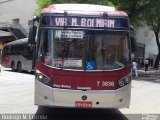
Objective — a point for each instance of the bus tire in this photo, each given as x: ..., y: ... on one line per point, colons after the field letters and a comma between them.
x: 13, y: 66
x: 19, y: 67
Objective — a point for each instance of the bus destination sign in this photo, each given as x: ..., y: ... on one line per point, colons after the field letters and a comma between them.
x: 85, y: 22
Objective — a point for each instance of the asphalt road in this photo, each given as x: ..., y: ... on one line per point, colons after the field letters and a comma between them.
x: 17, y: 97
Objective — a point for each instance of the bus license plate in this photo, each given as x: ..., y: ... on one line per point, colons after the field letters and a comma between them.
x: 82, y: 104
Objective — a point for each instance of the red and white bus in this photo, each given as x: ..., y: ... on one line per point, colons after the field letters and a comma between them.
x: 83, y: 57
x: 18, y: 55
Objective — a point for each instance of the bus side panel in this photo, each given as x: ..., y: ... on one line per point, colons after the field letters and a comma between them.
x: 5, y: 61
x: 26, y: 64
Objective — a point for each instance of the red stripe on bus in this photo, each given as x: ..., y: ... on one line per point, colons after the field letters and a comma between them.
x: 84, y: 80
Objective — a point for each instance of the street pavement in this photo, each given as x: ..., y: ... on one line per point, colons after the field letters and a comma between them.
x: 16, y: 92
x: 17, y: 97
x: 145, y: 95
x: 152, y: 75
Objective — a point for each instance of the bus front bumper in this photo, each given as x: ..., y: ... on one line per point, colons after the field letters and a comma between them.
x: 48, y: 96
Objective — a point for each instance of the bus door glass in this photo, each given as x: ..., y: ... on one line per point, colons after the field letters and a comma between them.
x: 68, y: 50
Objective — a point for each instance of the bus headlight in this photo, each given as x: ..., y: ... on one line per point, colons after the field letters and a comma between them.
x: 124, y: 81
x: 127, y: 79
x: 43, y: 78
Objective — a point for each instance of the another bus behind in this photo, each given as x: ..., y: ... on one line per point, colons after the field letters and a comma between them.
x: 18, y: 55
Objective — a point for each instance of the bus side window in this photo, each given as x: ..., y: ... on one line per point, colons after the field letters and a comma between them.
x: 29, y: 51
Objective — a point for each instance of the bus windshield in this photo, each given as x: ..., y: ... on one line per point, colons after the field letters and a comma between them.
x: 84, y: 50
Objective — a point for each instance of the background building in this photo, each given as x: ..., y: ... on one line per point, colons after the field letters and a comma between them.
x: 15, y: 16
x: 146, y: 43
x: 17, y: 12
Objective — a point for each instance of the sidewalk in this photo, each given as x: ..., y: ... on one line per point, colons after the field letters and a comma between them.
x: 151, y: 71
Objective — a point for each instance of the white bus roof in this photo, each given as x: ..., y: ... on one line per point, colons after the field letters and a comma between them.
x: 17, y: 42
x: 89, y: 9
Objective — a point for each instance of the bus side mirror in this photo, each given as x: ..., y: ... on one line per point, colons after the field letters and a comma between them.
x: 133, y: 45
x: 32, y: 35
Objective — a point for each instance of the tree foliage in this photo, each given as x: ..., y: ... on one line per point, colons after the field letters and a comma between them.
x: 151, y: 17
x: 144, y: 12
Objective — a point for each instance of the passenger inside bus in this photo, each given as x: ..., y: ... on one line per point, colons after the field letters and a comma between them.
x: 108, y: 53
